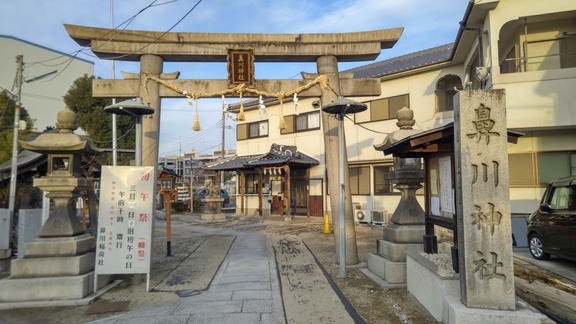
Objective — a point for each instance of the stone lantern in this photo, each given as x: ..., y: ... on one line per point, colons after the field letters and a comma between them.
x: 406, y: 228
x: 64, y: 181
x: 59, y: 264
x: 407, y: 175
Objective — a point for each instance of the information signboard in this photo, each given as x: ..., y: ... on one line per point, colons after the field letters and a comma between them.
x: 125, y: 220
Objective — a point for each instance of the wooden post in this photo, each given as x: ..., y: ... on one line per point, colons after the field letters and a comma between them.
x: 260, y: 191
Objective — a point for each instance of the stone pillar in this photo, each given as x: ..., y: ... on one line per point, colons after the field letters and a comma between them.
x: 328, y: 65
x: 150, y: 65
x: 483, y: 200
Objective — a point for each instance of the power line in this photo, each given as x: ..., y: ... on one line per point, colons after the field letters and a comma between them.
x: 192, y: 140
x: 170, y: 148
x: 127, y: 22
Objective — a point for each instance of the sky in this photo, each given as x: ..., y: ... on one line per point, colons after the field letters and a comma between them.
x: 426, y: 24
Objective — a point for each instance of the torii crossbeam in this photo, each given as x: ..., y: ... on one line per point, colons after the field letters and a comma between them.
x: 154, y: 48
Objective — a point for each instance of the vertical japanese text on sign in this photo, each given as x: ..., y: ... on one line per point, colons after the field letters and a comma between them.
x: 241, y: 66
x: 125, y: 229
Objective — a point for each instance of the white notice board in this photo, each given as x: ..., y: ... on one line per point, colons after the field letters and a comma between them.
x: 446, y: 192
x: 125, y: 220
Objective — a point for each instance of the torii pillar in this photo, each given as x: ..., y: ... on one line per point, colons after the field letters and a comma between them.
x: 328, y: 65
x: 326, y: 50
x: 150, y: 65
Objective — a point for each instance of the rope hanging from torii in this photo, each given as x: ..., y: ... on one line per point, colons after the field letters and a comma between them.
x: 321, y: 80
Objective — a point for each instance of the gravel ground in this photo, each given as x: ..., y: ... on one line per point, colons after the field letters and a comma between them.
x: 305, y: 258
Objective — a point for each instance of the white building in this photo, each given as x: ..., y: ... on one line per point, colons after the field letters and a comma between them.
x: 42, y: 98
x: 189, y: 166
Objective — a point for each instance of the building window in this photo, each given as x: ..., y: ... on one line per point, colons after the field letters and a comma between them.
x: 381, y: 185
x: 537, y: 45
x: 382, y: 109
x: 359, y: 180
x: 446, y: 89
x: 511, y: 63
x: 252, y: 130
x: 539, y: 169
x: 301, y: 123
x: 251, y: 183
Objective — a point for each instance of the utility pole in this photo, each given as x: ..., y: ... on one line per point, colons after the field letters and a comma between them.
x: 14, y: 169
x: 114, y: 122
x: 223, y: 140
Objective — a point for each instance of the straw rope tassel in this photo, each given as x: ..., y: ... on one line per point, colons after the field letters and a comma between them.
x: 241, y: 113
x: 196, y: 126
x: 282, y: 124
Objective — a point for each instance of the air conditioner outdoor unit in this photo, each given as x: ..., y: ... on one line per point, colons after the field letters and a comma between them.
x: 379, y: 217
x: 362, y: 216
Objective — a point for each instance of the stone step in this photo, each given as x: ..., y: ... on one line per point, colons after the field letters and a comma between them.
x: 51, y: 288
x: 60, y: 246
x: 52, y: 267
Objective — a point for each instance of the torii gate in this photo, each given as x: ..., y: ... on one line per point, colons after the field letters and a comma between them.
x: 152, y: 49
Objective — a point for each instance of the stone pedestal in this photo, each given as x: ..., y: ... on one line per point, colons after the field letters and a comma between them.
x: 52, y: 268
x: 454, y: 312
x: 212, y: 209
x: 437, y: 288
x: 429, y: 280
x: 390, y: 261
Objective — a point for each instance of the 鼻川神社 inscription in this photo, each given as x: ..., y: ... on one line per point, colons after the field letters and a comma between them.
x: 483, y: 204
x: 241, y: 66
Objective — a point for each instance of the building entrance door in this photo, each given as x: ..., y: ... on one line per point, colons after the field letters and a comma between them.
x: 277, y: 186
x: 316, y: 194
x: 299, y: 196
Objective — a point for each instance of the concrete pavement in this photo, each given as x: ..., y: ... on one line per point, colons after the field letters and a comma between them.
x: 562, y: 267
x: 244, y: 290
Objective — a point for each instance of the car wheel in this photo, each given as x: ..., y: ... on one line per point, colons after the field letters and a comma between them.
x: 537, y: 247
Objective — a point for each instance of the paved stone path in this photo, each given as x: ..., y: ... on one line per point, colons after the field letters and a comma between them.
x: 244, y: 290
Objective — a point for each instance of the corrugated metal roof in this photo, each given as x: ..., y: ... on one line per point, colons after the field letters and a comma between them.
x: 404, y: 63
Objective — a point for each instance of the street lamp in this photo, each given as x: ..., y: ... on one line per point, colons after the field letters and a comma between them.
x: 135, y: 108
x: 341, y: 107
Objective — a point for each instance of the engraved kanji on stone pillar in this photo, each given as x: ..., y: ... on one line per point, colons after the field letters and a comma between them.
x: 483, y: 204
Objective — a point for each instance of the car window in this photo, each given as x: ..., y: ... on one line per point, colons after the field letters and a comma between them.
x: 572, y: 199
x: 562, y: 198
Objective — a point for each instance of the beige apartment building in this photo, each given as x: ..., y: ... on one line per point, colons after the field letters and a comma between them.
x: 526, y: 47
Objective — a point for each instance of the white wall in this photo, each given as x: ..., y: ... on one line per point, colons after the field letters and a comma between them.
x: 42, y: 98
